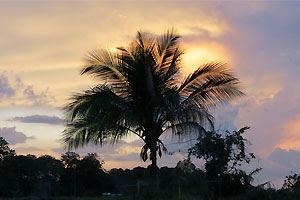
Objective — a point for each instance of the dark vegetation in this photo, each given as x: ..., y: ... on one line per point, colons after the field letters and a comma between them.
x: 71, y: 176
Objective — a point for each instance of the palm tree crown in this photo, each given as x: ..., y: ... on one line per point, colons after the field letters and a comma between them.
x: 142, y: 95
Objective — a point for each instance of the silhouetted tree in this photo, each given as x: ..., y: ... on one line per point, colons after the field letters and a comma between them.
x: 223, y: 154
x: 140, y: 93
x: 8, y: 182
x: 292, y: 183
x: 69, y: 179
x: 90, y: 176
x: 49, y: 170
x: 4, y: 149
x: 70, y: 159
x: 26, y: 172
x: 82, y: 177
x: 186, y: 165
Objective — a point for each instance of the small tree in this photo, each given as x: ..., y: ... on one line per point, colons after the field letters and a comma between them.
x: 223, y: 154
x: 4, y: 149
x: 186, y: 165
x: 292, y: 183
x: 91, y: 177
x: 70, y: 159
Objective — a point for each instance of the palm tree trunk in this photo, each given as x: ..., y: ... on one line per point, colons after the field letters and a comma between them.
x: 153, y: 157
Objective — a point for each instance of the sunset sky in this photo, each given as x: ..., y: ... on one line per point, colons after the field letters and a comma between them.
x: 42, y: 46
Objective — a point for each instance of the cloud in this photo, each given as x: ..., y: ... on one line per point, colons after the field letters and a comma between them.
x: 120, y: 21
x: 291, y: 134
x: 37, y: 99
x: 279, y: 164
x: 12, y: 136
x: 33, y: 150
x: 16, y: 92
x: 120, y: 147
x: 268, y: 120
x: 225, y: 117
x: 265, y: 56
x: 5, y: 87
x: 136, y: 143
x: 39, y: 119
x: 123, y: 158
x: 126, y: 154
x: 90, y: 148
x: 289, y: 159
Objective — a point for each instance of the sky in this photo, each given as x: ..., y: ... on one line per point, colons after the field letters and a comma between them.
x: 43, y: 44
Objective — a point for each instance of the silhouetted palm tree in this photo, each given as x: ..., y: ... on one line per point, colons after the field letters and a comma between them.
x: 141, y: 94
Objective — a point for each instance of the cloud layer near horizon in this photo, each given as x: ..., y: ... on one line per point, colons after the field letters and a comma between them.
x: 12, y: 136
x: 44, y: 119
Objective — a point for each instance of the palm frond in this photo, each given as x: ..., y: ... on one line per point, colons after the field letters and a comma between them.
x: 168, y: 57
x: 145, y: 42
x: 105, y: 65
x: 210, y: 84
x: 186, y: 128
x: 214, y: 91
x: 94, y: 101
x: 166, y: 46
x: 97, y: 115
x: 93, y: 130
x: 203, y: 73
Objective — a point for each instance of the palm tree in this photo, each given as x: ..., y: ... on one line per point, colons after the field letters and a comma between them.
x: 140, y: 93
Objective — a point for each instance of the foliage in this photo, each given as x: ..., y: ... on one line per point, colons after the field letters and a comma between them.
x: 30, y: 177
x: 70, y: 159
x: 4, y: 149
x: 45, y: 177
x: 186, y: 165
x: 140, y: 93
x: 291, y: 186
x: 86, y: 175
x: 292, y: 182
x: 223, y: 154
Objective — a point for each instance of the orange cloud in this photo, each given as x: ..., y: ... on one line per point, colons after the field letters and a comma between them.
x: 291, y: 135
x: 202, y: 53
x: 263, y: 88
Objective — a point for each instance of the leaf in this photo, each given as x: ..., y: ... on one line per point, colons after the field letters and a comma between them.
x: 144, y: 154
x: 159, y: 151
x: 252, y: 155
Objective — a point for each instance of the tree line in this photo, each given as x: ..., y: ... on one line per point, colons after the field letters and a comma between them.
x: 75, y: 176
